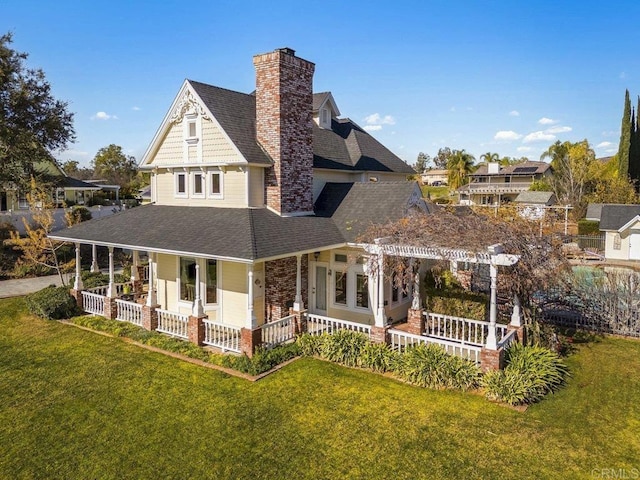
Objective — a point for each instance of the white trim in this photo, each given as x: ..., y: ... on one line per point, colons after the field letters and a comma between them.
x: 203, y: 184
x: 202, y: 287
x: 209, y: 184
x: 176, y: 192
x: 352, y: 271
x: 629, y: 224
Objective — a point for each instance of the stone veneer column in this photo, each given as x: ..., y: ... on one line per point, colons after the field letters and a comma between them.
x: 150, y: 317
x: 491, y: 359
x: 110, y: 308
x: 195, y: 329
x: 415, y: 322
x: 280, y: 285
x: 284, y: 128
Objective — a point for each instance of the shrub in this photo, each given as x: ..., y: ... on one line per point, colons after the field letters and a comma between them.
x: 6, y: 228
x: 52, y: 303
x: 80, y: 214
x: 310, y: 345
x: 98, y: 279
x: 379, y: 357
x: 531, y: 373
x: 588, y: 227
x: 344, y: 347
x: 430, y: 366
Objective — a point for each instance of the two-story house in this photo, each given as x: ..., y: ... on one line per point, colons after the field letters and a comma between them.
x: 257, y: 200
x: 493, y: 184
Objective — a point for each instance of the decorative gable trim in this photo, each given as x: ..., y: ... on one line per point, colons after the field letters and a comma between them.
x: 188, y: 104
x: 629, y: 224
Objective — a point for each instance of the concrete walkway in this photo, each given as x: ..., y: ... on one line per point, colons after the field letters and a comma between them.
x: 24, y: 286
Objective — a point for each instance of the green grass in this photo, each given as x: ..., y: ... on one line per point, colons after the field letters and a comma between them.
x: 435, y: 192
x: 74, y: 404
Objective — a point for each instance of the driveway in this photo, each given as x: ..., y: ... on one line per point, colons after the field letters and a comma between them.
x: 15, y: 218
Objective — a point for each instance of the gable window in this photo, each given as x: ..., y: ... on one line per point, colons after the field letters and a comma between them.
x: 187, y: 279
x: 325, y: 118
x: 198, y: 185
x: 181, y: 184
x: 215, y: 185
x: 212, y: 282
x: 616, y: 242
x: 192, y: 129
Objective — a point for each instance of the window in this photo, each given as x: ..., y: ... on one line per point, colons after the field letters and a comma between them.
x: 616, y: 242
x: 362, y: 292
x: 187, y: 279
x: 198, y: 184
x: 215, y: 185
x: 340, y: 258
x: 341, y: 288
x: 325, y: 118
x: 212, y: 282
x: 192, y: 129
x: 181, y: 184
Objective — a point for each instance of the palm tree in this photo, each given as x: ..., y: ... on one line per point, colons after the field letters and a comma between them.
x: 490, y: 157
x: 459, y: 165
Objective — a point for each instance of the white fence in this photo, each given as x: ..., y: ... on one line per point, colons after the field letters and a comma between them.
x: 506, y: 341
x: 225, y: 337
x: 129, y: 312
x: 278, y: 332
x: 463, y: 330
x: 401, y: 340
x: 93, y: 303
x: 317, y: 325
x: 102, y: 289
x: 173, y: 323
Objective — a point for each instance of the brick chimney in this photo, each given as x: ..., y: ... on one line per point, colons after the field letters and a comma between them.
x: 284, y: 128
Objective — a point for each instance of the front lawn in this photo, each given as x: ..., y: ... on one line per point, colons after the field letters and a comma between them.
x: 74, y: 404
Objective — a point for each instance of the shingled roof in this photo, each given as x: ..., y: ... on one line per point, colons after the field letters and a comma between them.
x: 615, y: 216
x: 234, y: 233
x: 345, y: 147
x: 525, y: 168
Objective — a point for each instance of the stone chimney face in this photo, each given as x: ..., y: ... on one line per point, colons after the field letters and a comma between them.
x: 284, y: 128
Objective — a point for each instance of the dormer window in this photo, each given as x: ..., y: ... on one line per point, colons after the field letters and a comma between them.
x: 191, y: 128
x: 325, y: 118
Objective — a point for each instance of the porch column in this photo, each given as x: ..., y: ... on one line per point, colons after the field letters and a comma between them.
x: 77, y: 284
x: 135, y: 276
x: 298, y: 305
x: 251, y: 334
x: 251, y: 321
x: 111, y: 291
x: 380, y: 317
x: 516, y: 320
x: 152, y: 299
x: 94, y: 259
x: 491, y: 341
x: 197, y: 309
x: 415, y: 318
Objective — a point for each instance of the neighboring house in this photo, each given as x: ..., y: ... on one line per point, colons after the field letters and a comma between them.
x: 258, y: 201
x: 536, y: 199
x: 594, y: 211
x: 67, y: 189
x: 621, y: 225
x: 435, y: 177
x: 493, y: 184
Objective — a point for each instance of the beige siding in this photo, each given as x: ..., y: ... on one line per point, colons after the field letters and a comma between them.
x: 167, y: 287
x: 172, y: 147
x: 623, y: 252
x: 215, y: 146
x: 234, y: 294
x: 233, y: 186
x: 256, y: 187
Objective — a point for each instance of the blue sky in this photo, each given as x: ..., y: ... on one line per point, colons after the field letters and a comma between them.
x: 503, y: 76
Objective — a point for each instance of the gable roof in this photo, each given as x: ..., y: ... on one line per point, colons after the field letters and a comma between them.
x: 356, y: 206
x: 320, y: 99
x: 241, y: 234
x: 614, y: 217
x: 74, y: 183
x: 536, y: 198
x: 525, y: 168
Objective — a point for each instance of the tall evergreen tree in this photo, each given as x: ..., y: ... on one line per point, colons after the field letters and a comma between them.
x: 625, y: 138
x: 634, y: 150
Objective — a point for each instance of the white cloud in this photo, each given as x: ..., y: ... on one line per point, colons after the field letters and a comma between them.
x: 372, y: 128
x: 377, y: 119
x: 538, y: 137
x: 547, y: 121
x: 507, y: 135
x: 136, y: 109
x: 514, y: 113
x: 604, y: 144
x: 524, y: 149
x: 611, y: 150
x: 103, y: 116
x: 558, y: 129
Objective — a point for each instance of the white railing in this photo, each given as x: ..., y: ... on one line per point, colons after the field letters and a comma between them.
x: 102, y: 289
x: 317, y: 325
x: 172, y: 323
x: 93, y: 303
x: 278, y: 332
x: 506, y: 341
x: 225, y: 337
x: 401, y: 340
x: 129, y: 312
x: 463, y: 330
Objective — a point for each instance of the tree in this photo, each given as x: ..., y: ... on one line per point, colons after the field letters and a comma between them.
x: 625, y: 138
x: 490, y: 157
x: 33, y: 123
x: 113, y: 165
x: 70, y: 167
x: 459, y: 165
x: 572, y: 165
x: 422, y: 162
x: 442, y: 158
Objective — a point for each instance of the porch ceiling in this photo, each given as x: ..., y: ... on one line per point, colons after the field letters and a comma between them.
x: 240, y: 234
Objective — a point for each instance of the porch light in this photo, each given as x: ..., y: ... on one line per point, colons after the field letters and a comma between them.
x: 316, y: 255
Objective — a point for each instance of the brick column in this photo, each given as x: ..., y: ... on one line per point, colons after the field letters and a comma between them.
x: 491, y: 359
x: 110, y: 308
x: 380, y: 334
x: 415, y: 322
x: 520, y: 332
x: 77, y: 294
x: 250, y: 340
x: 195, y: 329
x: 150, y: 317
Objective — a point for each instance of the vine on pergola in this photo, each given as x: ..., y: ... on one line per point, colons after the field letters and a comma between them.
x: 540, y: 260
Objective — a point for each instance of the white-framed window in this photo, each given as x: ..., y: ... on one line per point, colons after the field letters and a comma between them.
x: 187, y: 279
x: 215, y: 188
x: 198, y: 182
x: 617, y: 242
x: 191, y: 128
x: 350, y: 285
x: 209, y: 280
x: 211, y: 289
x: 325, y: 118
x: 181, y: 184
